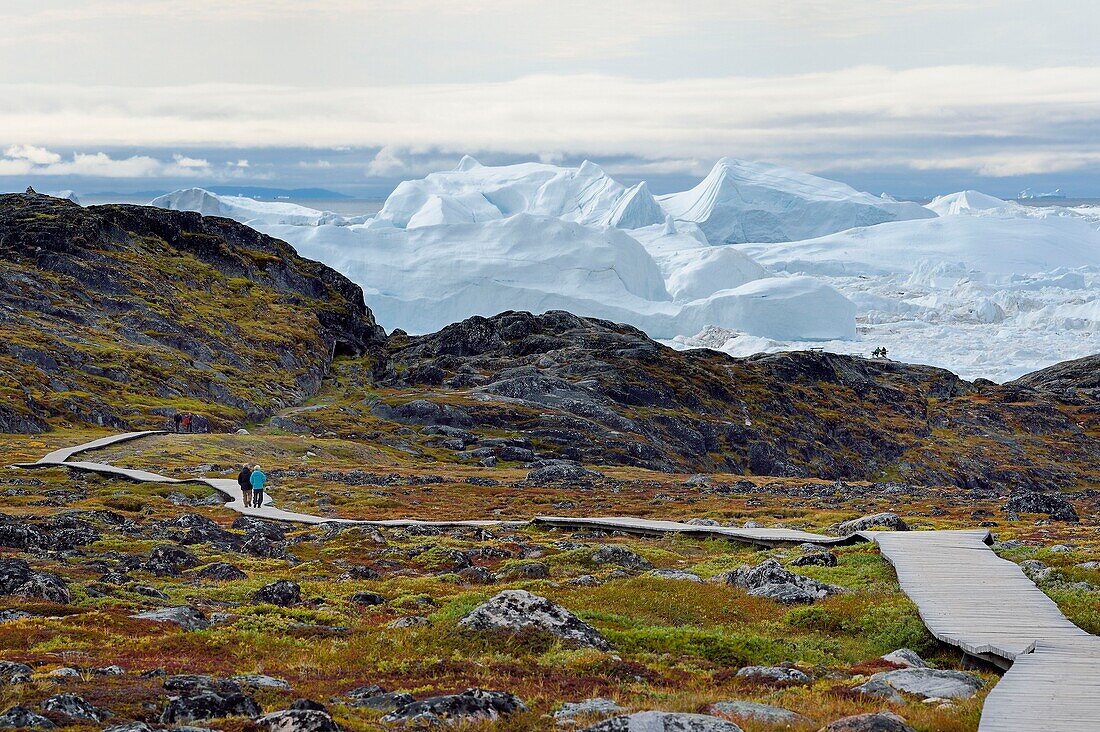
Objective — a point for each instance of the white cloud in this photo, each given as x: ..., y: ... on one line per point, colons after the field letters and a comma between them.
x: 990, y: 120
x: 32, y: 154
x: 186, y: 162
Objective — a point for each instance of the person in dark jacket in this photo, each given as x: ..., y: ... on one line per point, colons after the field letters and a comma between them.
x: 244, y: 480
x: 176, y: 419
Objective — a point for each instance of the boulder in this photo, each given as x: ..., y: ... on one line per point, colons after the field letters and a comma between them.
x: 1035, y: 570
x: 472, y: 705
x: 75, y: 707
x: 530, y: 570
x: 885, y: 520
x: 221, y: 572
x: 877, y: 722
x: 518, y: 610
x: 561, y: 471
x: 23, y: 718
x: 758, y: 712
x: 14, y: 673
x: 905, y: 657
x: 597, y: 706
x: 187, y: 618
x: 879, y: 689
x: 308, y: 704
x: 283, y: 593
x: 168, y: 560
x: 620, y: 556
x: 664, y: 722
x: 815, y: 559
x: 1055, y: 507
x: 377, y: 698
x: 769, y: 579
x: 367, y: 599
x: 411, y: 621
x: 676, y: 574
x: 188, y: 684
x: 932, y: 683
x: 477, y: 576
x: 209, y: 704
x: 774, y: 675
x: 298, y: 720
x: 260, y: 681
x: 18, y: 579
x: 129, y: 727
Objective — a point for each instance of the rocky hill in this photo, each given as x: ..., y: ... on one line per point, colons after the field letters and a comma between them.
x: 605, y: 393
x: 115, y: 315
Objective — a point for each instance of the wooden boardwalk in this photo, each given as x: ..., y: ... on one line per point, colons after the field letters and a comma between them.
x: 971, y: 598
x: 967, y: 596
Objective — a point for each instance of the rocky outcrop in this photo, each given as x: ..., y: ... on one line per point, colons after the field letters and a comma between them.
x: 298, y: 720
x: 75, y: 707
x: 514, y: 611
x: 184, y: 291
x: 758, y: 712
x: 932, y: 683
x: 18, y: 579
x: 1055, y: 507
x: 283, y: 593
x: 769, y: 579
x: 22, y: 718
x: 885, y: 520
x: 185, y: 617
x: 664, y: 722
x: 471, y: 705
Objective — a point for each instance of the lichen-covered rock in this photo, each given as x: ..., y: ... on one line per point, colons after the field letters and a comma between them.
x: 885, y: 520
x: 185, y: 617
x: 597, y: 706
x: 14, y: 673
x: 877, y: 722
x: 815, y: 559
x: 260, y: 681
x: 620, y: 556
x: 209, y: 704
x: 1055, y: 507
x: 221, y: 572
x: 298, y: 720
x: 18, y: 579
x: 676, y: 574
x: 283, y: 593
x: 758, y: 712
x: 770, y: 579
x: 664, y: 722
x: 879, y: 689
x: 22, y: 718
x: 74, y: 706
x: 932, y: 683
x: 518, y: 610
x: 905, y: 657
x: 774, y: 675
x: 469, y: 706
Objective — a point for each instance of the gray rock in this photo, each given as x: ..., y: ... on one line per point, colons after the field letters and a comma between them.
x: 282, y: 593
x: 221, y: 572
x: 187, y: 618
x: 298, y: 720
x: 130, y: 727
x: 10, y: 616
x: 769, y: 579
x: 774, y: 675
x: 470, y: 706
x: 818, y: 559
x: 877, y: 722
x: 530, y: 570
x: 758, y: 712
x: 477, y: 576
x: 703, y: 522
x: 377, y: 698
x: 620, y: 556
x: 557, y: 471
x: 905, y: 657
x: 64, y: 672
x: 664, y: 722
x: 74, y: 706
x: 676, y: 574
x: 1055, y: 507
x: 21, y: 717
x: 584, y: 580
x: 412, y: 621
x: 880, y: 690
x: 1061, y: 549
x: 597, y: 706
x: 884, y: 520
x: 14, y: 673
x: 261, y: 681
x: 1088, y: 565
x: 518, y: 610
x: 209, y: 704
x: 18, y: 579
x: 1035, y: 570
x: 931, y: 682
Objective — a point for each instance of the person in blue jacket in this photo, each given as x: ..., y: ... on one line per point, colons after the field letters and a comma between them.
x: 258, y: 481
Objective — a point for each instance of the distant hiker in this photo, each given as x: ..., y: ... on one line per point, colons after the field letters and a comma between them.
x: 187, y: 421
x: 244, y: 480
x: 258, y: 480
x: 176, y: 419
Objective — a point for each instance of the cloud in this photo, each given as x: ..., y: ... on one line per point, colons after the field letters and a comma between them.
x: 31, y: 160
x: 965, y: 117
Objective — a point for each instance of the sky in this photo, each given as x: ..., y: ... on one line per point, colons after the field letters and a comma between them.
x: 910, y: 97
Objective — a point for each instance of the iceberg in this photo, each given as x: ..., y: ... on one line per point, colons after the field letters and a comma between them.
x: 742, y: 202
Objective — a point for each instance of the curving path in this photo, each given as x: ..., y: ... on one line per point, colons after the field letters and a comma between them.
x: 967, y: 596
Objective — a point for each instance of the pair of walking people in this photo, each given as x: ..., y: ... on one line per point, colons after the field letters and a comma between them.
x: 253, y: 482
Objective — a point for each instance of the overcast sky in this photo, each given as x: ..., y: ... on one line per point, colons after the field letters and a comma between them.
x: 913, y: 97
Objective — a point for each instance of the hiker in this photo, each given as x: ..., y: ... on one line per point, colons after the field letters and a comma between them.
x: 176, y: 419
x: 244, y: 480
x: 187, y: 421
x: 258, y: 480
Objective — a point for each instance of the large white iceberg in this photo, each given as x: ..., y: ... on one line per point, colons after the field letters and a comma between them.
x: 756, y: 202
